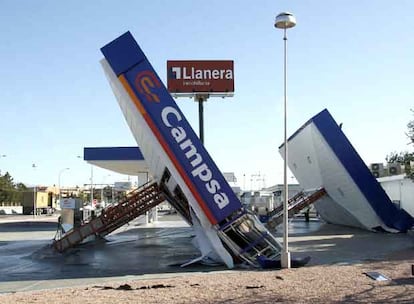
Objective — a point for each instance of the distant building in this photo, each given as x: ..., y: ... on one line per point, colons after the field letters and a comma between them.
x: 39, y: 198
x: 277, y: 191
x: 265, y: 200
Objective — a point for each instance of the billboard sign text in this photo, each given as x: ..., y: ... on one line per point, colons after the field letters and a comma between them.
x: 185, y: 77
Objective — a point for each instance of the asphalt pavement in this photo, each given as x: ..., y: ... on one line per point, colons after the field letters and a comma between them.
x: 142, y: 251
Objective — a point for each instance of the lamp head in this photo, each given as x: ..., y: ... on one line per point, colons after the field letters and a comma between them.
x: 285, y: 20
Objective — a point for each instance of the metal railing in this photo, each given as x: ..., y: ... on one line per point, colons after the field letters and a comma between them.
x: 295, y: 205
x: 135, y: 204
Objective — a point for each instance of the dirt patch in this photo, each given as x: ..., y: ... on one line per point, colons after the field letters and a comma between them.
x: 317, y: 284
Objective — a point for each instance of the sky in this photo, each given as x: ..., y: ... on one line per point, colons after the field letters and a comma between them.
x: 352, y: 57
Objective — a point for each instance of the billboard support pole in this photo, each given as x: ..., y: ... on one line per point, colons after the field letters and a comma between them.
x: 201, y: 119
x: 201, y: 98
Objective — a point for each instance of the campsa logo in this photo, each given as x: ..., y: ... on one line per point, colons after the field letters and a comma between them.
x: 194, y: 73
x: 173, y: 120
x: 146, y: 82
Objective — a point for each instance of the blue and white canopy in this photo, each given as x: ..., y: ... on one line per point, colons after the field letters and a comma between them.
x: 124, y: 160
x: 319, y: 154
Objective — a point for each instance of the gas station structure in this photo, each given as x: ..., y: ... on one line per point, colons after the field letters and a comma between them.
x: 173, y: 165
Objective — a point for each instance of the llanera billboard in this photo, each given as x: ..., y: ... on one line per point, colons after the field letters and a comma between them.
x: 202, y: 76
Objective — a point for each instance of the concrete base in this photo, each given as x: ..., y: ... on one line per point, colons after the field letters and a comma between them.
x: 285, y: 259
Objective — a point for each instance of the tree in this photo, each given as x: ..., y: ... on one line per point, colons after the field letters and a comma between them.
x: 9, y: 191
x: 6, y: 181
x: 410, y: 132
x: 21, y: 187
x: 405, y: 158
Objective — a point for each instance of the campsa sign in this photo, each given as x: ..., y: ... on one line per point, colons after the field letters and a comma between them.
x: 187, y: 77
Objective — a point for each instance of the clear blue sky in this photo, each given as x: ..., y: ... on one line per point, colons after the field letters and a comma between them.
x: 353, y: 57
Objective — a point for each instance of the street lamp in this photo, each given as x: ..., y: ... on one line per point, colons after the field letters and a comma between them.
x: 3, y: 155
x: 102, y: 189
x: 91, y: 185
x: 60, y: 173
x: 34, y: 193
x: 285, y: 21
x: 91, y: 181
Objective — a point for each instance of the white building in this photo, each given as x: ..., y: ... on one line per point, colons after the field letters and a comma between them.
x: 400, y: 189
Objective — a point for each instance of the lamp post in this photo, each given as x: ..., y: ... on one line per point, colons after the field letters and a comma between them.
x: 34, y: 193
x: 91, y: 180
x: 60, y: 173
x: 285, y: 21
x: 3, y: 155
x: 91, y: 185
x: 102, y: 190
